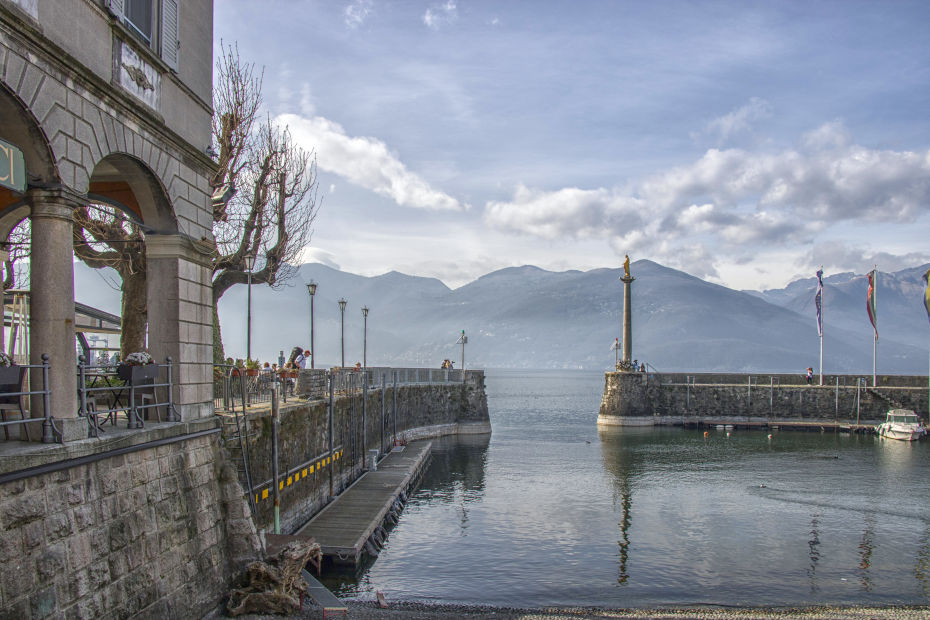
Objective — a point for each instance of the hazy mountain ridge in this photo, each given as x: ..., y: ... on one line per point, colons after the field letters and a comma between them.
x: 532, y: 318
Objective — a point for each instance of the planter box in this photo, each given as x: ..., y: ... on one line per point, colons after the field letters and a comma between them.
x: 136, y: 374
x: 10, y: 378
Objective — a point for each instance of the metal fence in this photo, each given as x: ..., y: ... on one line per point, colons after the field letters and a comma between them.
x: 13, y: 395
x: 234, y: 386
x: 108, y: 393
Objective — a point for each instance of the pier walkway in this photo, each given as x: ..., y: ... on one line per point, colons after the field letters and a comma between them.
x: 343, y: 527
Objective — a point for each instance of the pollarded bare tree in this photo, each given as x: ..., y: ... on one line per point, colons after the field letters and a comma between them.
x: 105, y: 237
x: 271, y: 214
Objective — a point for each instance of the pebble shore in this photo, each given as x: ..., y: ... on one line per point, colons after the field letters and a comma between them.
x: 425, y: 611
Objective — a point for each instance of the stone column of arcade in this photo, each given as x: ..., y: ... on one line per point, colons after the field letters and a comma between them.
x: 51, y: 308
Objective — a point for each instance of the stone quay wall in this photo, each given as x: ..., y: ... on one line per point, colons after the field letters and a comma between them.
x: 155, y: 527
x: 634, y: 399
x: 423, y: 410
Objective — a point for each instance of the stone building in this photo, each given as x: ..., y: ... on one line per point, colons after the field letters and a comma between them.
x: 110, y: 101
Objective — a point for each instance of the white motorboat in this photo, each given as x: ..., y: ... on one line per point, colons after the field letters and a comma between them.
x: 901, y: 424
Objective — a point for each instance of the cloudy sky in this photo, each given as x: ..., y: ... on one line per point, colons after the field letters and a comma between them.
x: 743, y: 142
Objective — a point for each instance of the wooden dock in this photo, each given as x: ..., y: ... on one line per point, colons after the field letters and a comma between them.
x: 344, y: 526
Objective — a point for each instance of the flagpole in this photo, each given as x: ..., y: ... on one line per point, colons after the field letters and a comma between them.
x: 875, y: 342
x: 820, y: 318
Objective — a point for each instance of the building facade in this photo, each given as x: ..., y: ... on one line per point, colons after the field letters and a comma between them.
x: 109, y: 101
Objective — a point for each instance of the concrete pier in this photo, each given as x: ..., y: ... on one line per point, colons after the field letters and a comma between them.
x: 344, y: 526
x: 678, y: 399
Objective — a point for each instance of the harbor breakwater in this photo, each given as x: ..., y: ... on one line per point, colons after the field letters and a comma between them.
x: 646, y: 399
x: 362, y: 421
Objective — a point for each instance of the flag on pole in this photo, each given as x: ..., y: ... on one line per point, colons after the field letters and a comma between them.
x: 818, y: 301
x: 927, y: 293
x: 870, y: 301
x: 615, y: 345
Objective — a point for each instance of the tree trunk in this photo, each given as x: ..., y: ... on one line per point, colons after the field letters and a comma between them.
x: 219, y: 356
x: 134, y: 313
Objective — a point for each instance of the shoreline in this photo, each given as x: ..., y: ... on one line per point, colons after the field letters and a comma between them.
x: 424, y: 611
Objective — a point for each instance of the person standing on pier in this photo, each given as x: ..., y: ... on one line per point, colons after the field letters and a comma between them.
x: 810, y: 375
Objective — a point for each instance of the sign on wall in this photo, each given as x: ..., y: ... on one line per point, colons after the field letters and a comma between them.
x: 12, y: 167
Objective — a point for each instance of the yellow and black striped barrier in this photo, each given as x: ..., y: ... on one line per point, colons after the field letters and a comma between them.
x: 301, y: 474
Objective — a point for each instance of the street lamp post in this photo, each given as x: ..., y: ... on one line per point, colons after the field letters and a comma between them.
x: 249, y: 264
x: 342, y: 329
x: 365, y: 337
x: 311, y: 288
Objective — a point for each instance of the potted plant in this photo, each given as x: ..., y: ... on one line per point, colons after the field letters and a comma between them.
x: 252, y: 367
x: 137, y: 366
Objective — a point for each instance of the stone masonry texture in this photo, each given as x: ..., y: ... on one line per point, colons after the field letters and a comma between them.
x: 156, y: 533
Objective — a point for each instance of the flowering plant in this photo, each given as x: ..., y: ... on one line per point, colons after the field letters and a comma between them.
x: 6, y: 360
x: 139, y: 358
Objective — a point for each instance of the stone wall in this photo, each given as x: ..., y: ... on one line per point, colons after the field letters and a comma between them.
x: 304, y: 470
x: 154, y: 529
x: 644, y: 399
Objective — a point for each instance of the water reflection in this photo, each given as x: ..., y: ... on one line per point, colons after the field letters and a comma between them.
x: 866, y: 546
x: 620, y: 463
x: 922, y: 565
x: 813, y: 546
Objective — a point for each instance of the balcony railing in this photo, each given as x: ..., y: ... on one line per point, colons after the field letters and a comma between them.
x: 13, y: 395
x: 109, y: 393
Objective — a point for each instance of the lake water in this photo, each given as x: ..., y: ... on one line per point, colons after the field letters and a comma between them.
x: 549, y: 510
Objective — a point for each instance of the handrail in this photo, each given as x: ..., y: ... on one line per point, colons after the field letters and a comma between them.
x: 50, y: 432
x: 134, y: 410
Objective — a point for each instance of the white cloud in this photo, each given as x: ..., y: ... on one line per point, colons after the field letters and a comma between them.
x: 738, y: 121
x: 442, y: 14
x: 357, y: 12
x: 318, y: 255
x: 733, y: 200
x: 366, y: 162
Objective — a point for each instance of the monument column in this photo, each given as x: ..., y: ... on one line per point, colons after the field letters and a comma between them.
x: 627, y: 321
x: 627, y: 280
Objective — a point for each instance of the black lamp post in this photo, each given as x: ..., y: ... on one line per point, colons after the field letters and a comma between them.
x: 365, y: 337
x: 249, y: 264
x: 311, y: 288
x: 342, y: 329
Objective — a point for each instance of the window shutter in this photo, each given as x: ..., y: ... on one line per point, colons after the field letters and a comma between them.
x: 169, y: 33
x: 114, y: 8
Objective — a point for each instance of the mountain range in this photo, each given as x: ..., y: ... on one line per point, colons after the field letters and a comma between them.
x: 526, y: 317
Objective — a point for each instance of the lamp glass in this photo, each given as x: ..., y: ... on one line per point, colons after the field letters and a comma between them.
x: 311, y: 288
x: 342, y: 304
x: 364, y: 310
x: 249, y: 261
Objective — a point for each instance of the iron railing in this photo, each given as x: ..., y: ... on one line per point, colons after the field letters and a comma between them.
x: 234, y: 387
x: 12, y: 400
x: 104, y: 395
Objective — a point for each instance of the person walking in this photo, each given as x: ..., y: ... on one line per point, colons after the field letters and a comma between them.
x: 810, y: 375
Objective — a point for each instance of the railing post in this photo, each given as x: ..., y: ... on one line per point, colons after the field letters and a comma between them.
x: 383, y: 387
x: 172, y: 413
x: 47, y: 426
x: 395, y: 408
x: 364, y: 415
x: 332, y: 387
x: 836, y: 405
x: 275, y: 424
